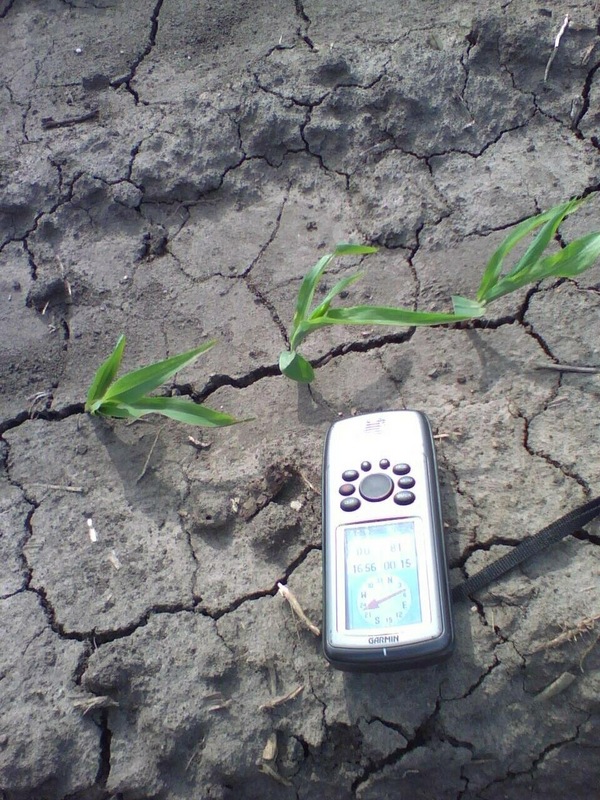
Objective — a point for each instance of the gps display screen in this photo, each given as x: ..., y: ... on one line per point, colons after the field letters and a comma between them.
x: 382, y: 581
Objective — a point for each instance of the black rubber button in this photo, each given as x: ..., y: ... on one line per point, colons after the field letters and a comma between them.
x: 401, y: 469
x: 350, y: 504
x: 406, y: 482
x: 384, y: 463
x: 350, y: 475
x: 404, y: 498
x: 365, y: 466
x: 347, y: 488
x: 376, y: 487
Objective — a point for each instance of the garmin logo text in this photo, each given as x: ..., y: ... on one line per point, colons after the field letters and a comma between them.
x: 384, y: 639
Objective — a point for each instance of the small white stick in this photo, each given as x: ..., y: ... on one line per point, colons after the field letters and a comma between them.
x: 297, y: 609
x: 197, y: 443
x: 87, y: 704
x: 556, y: 687
x: 145, y: 467
x: 277, y: 701
x: 566, y: 368
x: 58, y: 487
x: 93, y: 532
x: 563, y: 28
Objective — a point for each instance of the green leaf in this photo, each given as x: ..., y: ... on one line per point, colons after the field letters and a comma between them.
x: 302, y: 331
x: 296, y: 367
x: 138, y: 383
x: 105, y: 375
x: 339, y: 287
x: 354, y: 250
x: 463, y: 306
x: 572, y: 260
x: 575, y: 258
x: 112, y: 408
x: 307, y: 290
x: 494, y: 267
x: 178, y: 408
x: 386, y: 315
x: 534, y: 252
x: 313, y: 276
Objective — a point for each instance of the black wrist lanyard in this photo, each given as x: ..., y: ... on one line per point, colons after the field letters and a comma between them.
x: 551, y: 534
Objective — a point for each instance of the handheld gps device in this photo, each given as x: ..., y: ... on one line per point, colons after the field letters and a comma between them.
x: 385, y: 581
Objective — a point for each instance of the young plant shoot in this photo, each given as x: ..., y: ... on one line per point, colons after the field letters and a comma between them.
x: 127, y: 397
x: 305, y: 321
x: 532, y: 267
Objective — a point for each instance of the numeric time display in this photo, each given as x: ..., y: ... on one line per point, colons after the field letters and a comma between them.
x: 382, y: 587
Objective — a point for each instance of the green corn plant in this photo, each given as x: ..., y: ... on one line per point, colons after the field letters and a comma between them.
x: 533, y: 266
x: 305, y: 321
x: 127, y: 398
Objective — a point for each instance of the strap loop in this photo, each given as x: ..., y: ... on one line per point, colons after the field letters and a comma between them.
x: 570, y: 523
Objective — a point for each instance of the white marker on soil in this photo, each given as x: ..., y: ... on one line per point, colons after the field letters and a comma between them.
x: 563, y: 28
x: 93, y: 532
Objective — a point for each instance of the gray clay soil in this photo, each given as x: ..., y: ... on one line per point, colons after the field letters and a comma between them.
x: 170, y: 169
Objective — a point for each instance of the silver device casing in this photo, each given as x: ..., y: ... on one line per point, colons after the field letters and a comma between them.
x: 399, y: 437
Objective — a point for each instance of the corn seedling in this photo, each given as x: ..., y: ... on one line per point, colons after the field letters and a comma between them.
x: 127, y: 397
x: 532, y: 267
x: 305, y: 321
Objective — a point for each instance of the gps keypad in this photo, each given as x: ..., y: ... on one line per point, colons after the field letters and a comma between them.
x: 376, y: 486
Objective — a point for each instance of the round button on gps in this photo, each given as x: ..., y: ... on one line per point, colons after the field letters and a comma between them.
x: 404, y: 498
x: 350, y: 504
x: 376, y: 487
x: 350, y: 475
x: 401, y: 469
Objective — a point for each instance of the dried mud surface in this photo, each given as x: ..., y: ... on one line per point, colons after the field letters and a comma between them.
x: 170, y: 169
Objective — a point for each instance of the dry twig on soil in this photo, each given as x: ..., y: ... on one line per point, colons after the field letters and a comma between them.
x: 149, y: 456
x: 566, y: 367
x: 570, y: 634
x: 88, y: 704
x: 58, y: 487
x: 556, y: 687
x: 559, y: 35
x: 277, y: 701
x: 297, y: 609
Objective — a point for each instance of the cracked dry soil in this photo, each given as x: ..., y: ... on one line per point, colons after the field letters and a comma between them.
x: 170, y: 169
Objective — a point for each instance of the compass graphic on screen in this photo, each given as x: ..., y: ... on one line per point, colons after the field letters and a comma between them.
x: 384, y: 600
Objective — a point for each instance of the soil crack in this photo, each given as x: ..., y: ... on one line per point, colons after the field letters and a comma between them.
x: 585, y: 99
x: 260, y: 593
x: 105, y: 742
x: 127, y: 79
x: 5, y: 11
x: 422, y: 736
x: 511, y: 775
